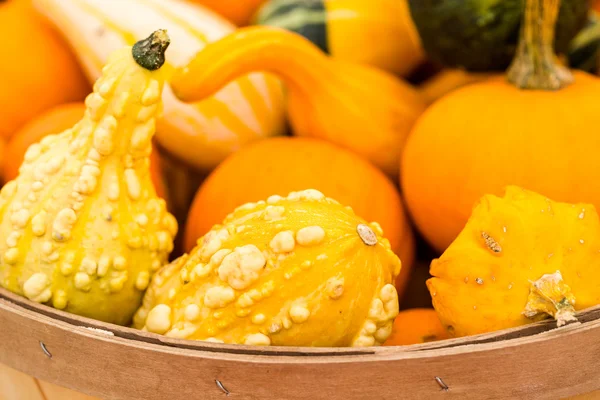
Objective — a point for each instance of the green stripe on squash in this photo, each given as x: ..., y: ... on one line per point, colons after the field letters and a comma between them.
x: 304, y: 17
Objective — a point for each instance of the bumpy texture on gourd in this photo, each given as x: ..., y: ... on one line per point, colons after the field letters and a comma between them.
x: 357, y: 107
x: 380, y: 33
x: 296, y: 271
x: 82, y: 228
x: 520, y: 258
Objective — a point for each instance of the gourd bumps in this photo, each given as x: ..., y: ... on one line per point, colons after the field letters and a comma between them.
x: 82, y: 228
x: 519, y: 259
x: 300, y: 271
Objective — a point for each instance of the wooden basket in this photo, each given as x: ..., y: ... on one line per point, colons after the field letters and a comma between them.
x: 537, y: 361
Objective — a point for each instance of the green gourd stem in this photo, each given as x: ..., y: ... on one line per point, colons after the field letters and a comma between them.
x: 150, y: 52
x: 535, y: 65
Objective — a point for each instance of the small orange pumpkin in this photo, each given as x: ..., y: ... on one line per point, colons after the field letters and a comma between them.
x: 38, y: 71
x: 532, y: 130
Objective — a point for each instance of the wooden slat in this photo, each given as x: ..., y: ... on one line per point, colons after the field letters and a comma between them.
x: 550, y: 365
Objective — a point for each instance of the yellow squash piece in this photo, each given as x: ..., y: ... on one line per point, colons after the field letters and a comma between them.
x: 200, y: 134
x: 82, y: 228
x: 360, y: 108
x: 519, y: 259
x: 296, y: 271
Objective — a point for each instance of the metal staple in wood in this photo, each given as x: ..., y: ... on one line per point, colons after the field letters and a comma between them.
x: 45, y: 350
x: 442, y: 384
x: 220, y: 386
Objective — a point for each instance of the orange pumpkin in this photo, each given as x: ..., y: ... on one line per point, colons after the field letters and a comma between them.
x: 53, y: 121
x: 531, y: 130
x: 38, y: 70
x: 240, y: 12
x: 416, y: 325
x: 282, y: 165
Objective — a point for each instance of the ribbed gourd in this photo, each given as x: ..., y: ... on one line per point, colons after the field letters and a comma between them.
x: 529, y: 127
x: 301, y: 270
x: 380, y: 33
x: 82, y: 228
x: 358, y: 107
x: 519, y: 259
x: 200, y: 134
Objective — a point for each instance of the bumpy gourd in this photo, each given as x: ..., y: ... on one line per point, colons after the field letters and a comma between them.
x: 530, y: 127
x: 519, y: 259
x: 201, y: 134
x: 296, y: 271
x: 380, y: 33
x: 355, y: 106
x: 82, y: 228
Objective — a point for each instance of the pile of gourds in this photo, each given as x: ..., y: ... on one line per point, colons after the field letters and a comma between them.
x: 256, y: 172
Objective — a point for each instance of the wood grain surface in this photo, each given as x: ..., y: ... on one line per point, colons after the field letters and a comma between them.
x: 534, y: 362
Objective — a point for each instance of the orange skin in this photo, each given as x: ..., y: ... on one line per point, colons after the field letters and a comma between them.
x: 282, y: 165
x: 240, y: 12
x: 39, y: 71
x: 596, y: 5
x: 54, y: 121
x: 485, y: 136
x: 415, y: 326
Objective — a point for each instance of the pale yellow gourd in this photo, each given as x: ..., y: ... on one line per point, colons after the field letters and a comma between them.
x: 296, y: 271
x: 81, y: 226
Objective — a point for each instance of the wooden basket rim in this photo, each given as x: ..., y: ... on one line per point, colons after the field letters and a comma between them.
x: 507, y: 337
x: 103, y: 361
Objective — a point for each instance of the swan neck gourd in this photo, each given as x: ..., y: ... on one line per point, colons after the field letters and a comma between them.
x: 535, y: 65
x: 294, y: 59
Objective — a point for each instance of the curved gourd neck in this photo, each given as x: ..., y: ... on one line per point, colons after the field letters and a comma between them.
x: 535, y: 65
x: 289, y: 56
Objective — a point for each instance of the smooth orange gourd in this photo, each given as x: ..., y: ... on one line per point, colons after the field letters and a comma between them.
x: 357, y: 107
x: 240, y: 12
x: 415, y: 326
x: 38, y: 70
x: 82, y: 227
x: 300, y: 270
x: 520, y: 258
x: 534, y: 130
x: 59, y: 119
x: 282, y: 165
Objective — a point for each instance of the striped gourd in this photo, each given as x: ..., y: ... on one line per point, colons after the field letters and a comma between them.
x: 374, y: 32
x: 200, y: 134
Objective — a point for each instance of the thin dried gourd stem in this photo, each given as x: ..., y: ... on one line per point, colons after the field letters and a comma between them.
x: 290, y: 56
x: 535, y: 65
